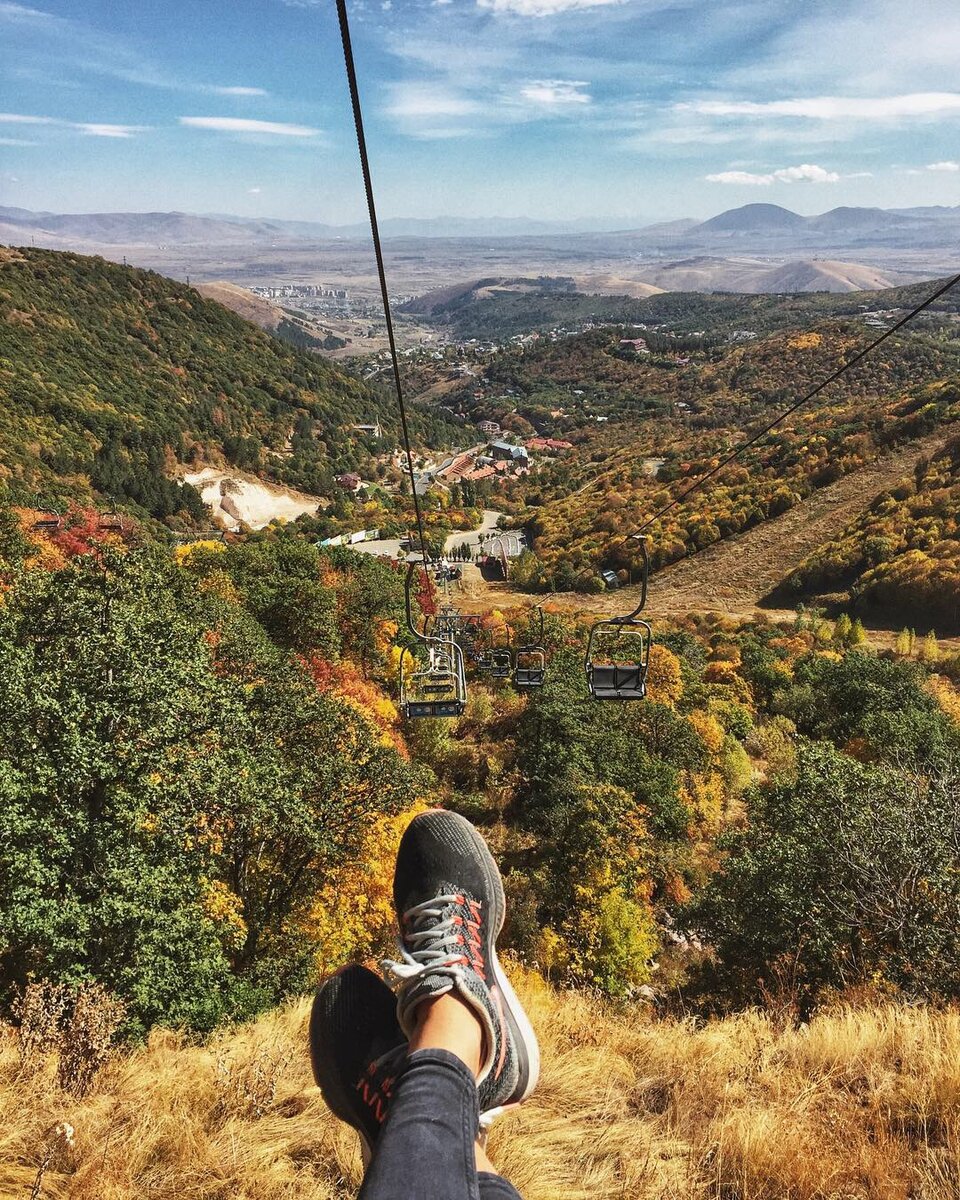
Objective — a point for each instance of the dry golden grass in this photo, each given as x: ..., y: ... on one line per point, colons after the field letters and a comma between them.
x: 859, y: 1103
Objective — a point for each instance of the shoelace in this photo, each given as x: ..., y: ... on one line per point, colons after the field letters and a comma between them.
x: 430, y: 940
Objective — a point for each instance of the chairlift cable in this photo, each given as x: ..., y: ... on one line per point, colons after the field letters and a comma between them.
x: 378, y: 251
x: 832, y: 378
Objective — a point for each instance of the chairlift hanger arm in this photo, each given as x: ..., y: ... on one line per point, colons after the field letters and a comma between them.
x: 420, y: 635
x: 630, y: 617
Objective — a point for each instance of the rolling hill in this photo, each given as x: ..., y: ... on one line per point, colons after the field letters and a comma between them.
x: 112, y: 378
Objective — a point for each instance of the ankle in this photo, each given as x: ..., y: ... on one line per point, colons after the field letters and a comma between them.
x: 448, y: 1023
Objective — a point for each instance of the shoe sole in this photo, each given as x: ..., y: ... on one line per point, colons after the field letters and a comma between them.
x: 329, y: 1080
x: 528, y: 1056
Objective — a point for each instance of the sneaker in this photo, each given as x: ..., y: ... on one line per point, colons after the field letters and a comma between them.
x: 450, y: 905
x: 357, y: 1049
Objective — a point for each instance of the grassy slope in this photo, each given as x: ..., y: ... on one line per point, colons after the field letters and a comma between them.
x: 902, y: 553
x: 857, y: 1104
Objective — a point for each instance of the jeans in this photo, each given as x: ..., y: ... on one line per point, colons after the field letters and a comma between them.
x: 425, y: 1148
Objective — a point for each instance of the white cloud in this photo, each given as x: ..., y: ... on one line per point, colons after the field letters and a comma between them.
x: 94, y: 129
x: 556, y: 92
x: 541, y: 8
x: 88, y: 128
x: 419, y: 101
x: 6, y: 141
x: 832, y: 108
x: 254, y: 191
x: 944, y: 166
x: 805, y: 173
x: 246, y: 125
x: 21, y: 119
x: 386, y: 5
x: 746, y: 178
x: 239, y: 91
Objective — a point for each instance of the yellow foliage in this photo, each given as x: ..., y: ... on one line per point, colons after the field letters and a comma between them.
x: 705, y: 795
x: 385, y: 633
x: 794, y: 646
x: 46, y: 557
x: 353, y: 914
x: 676, y: 889
x: 183, y: 554
x: 720, y: 672
x: 946, y: 695
x: 664, y: 682
x: 805, y: 341
x: 226, y: 908
x: 726, y: 652
x: 708, y: 729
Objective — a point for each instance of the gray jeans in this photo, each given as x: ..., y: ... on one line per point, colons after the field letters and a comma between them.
x: 425, y: 1148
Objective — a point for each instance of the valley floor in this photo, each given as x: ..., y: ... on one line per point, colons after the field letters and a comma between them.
x: 859, y: 1103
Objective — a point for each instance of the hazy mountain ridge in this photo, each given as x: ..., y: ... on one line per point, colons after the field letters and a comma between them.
x: 764, y: 220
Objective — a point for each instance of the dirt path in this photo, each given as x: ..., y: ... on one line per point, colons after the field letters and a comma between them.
x: 735, y: 574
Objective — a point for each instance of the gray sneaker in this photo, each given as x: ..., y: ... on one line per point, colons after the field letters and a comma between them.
x: 450, y: 906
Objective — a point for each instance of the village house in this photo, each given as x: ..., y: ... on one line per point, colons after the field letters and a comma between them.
x: 506, y: 452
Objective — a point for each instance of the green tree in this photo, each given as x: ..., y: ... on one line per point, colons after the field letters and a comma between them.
x: 847, y: 871
x: 173, y: 791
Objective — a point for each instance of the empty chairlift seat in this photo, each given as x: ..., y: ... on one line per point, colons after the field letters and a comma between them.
x: 434, y: 686
x: 530, y: 660
x: 618, y: 656
x: 618, y: 650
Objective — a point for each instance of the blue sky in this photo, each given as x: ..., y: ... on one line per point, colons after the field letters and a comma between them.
x: 633, y: 110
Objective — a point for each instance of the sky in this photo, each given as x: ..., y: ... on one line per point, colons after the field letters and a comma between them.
x: 590, y: 110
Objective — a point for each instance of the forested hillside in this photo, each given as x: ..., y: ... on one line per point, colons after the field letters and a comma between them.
x: 902, y: 556
x: 201, y: 758
x: 683, y: 412
x: 111, y: 377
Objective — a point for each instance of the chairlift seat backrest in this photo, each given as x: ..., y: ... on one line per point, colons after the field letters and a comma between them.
x: 531, y: 666
x: 501, y: 663
x: 618, y: 681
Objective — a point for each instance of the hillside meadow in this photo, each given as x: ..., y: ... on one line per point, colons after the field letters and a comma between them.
x: 859, y: 1103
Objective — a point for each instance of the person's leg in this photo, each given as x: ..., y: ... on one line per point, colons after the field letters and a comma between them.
x: 471, y: 1047
x: 428, y: 1148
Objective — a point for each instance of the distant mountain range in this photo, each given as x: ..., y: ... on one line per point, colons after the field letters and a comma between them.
x: 761, y: 224
x: 177, y: 228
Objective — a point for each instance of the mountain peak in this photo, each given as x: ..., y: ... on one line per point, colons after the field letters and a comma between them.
x: 750, y: 218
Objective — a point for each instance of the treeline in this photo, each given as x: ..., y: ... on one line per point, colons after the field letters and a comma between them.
x: 201, y: 761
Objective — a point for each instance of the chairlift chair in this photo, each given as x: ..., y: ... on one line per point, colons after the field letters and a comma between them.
x: 111, y: 519
x: 437, y: 686
x: 501, y: 662
x: 496, y: 660
x: 530, y: 661
x: 618, y: 650
x: 48, y: 520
